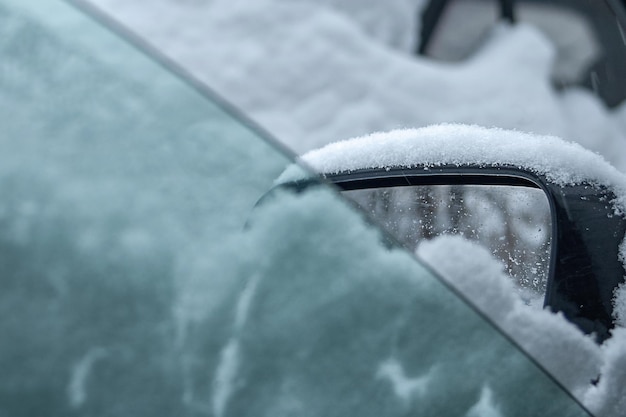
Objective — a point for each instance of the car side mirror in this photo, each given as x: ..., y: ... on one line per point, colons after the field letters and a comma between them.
x: 582, y: 268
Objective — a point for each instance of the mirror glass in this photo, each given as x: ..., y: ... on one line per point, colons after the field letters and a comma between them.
x: 512, y: 222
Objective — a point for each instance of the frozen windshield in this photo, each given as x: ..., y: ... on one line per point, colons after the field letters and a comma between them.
x: 137, y: 279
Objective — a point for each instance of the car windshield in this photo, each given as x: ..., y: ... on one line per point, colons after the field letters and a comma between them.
x: 138, y: 279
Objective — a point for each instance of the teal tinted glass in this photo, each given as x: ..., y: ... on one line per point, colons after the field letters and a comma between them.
x: 130, y: 285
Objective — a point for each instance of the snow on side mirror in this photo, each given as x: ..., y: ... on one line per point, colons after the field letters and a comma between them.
x: 584, y: 195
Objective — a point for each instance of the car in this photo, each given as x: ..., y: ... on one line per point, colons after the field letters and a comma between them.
x: 588, y: 37
x: 138, y: 278
x: 389, y: 175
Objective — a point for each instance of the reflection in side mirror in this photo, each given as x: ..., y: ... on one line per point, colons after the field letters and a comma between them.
x: 512, y: 222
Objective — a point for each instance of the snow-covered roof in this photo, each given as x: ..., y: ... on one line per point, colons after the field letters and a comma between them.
x: 462, y: 145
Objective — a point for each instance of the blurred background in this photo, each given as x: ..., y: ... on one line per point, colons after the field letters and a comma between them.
x: 317, y: 71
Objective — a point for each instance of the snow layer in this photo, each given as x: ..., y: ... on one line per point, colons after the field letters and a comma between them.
x: 399, y: 28
x: 314, y: 72
x: 620, y: 293
x: 452, y: 144
x: 573, y: 358
x: 609, y: 397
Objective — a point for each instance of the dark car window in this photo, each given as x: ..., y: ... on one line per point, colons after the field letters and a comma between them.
x: 130, y: 285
